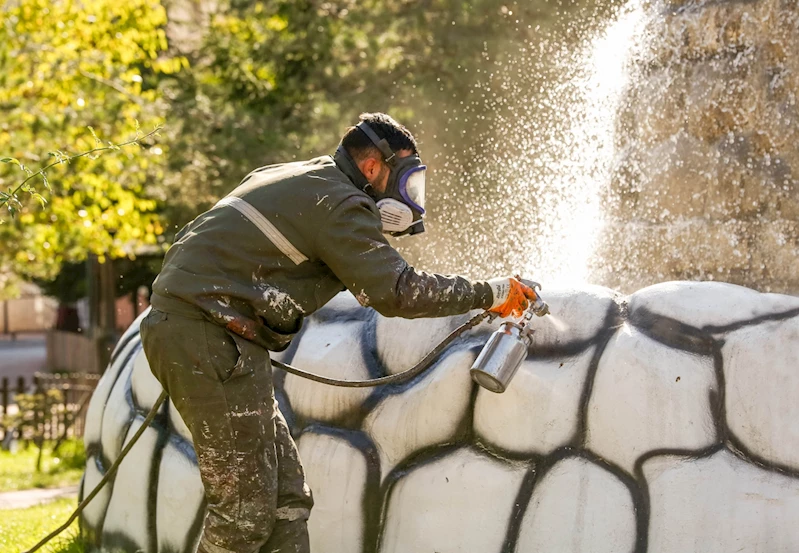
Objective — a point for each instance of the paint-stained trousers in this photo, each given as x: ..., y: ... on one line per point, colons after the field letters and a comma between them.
x: 221, y: 384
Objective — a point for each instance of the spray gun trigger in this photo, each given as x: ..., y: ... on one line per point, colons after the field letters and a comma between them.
x: 527, y: 282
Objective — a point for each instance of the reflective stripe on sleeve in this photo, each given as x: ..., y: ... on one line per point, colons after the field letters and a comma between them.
x: 268, y: 229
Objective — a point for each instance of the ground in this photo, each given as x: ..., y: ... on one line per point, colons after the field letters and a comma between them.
x: 21, y: 529
x: 21, y: 525
x: 27, y: 509
x: 18, y: 470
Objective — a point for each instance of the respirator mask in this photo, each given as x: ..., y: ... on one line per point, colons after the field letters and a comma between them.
x: 401, y: 206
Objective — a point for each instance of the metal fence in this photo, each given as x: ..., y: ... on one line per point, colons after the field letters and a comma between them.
x: 53, y: 419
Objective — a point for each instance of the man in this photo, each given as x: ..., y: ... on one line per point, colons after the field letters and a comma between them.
x: 238, y: 282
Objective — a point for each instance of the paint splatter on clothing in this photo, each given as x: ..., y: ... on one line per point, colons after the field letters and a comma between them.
x: 221, y: 385
x: 286, y: 241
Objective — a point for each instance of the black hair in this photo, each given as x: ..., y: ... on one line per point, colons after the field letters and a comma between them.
x: 360, y: 147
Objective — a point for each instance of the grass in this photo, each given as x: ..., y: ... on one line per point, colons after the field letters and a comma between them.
x: 21, y: 529
x: 18, y: 469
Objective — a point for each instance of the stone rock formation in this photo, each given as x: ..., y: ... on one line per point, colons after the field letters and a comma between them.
x: 661, y: 422
x: 706, y: 181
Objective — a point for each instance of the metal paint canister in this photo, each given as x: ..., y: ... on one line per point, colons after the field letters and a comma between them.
x: 501, y: 357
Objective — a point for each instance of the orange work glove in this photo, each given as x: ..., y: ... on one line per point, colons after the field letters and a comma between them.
x: 511, y: 297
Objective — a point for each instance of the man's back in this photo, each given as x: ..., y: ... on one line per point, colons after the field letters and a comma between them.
x: 254, y: 254
x: 282, y: 244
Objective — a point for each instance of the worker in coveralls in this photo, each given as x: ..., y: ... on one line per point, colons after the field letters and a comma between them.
x: 238, y: 282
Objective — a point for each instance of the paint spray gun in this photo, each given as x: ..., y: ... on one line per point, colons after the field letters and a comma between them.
x: 505, y: 350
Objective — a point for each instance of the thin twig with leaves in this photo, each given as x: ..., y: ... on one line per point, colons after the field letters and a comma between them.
x: 11, y: 200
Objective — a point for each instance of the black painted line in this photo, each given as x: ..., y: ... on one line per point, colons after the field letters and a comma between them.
x: 121, y: 345
x: 128, y: 384
x: 116, y: 541
x: 774, y: 317
x: 465, y: 429
x: 382, y: 393
x: 329, y: 314
x: 638, y: 496
x: 128, y: 399
x: 170, y: 426
x: 361, y: 442
x: 115, y: 537
x: 612, y: 323
x: 374, y: 366
x: 540, y: 468
x: 128, y: 395
x: 644, y: 511
x: 737, y: 447
x: 420, y: 459
x: 693, y: 454
x: 368, y: 346
x: 565, y: 349
x: 122, y: 365
x: 81, y: 520
x: 726, y: 435
x: 522, y: 501
x: 93, y: 449
x: 671, y: 332
x: 162, y: 438
x: 186, y: 449
x: 718, y: 401
x: 432, y: 454
x: 93, y: 534
x: 352, y: 418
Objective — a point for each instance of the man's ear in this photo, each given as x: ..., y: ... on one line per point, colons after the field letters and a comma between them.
x: 370, y: 167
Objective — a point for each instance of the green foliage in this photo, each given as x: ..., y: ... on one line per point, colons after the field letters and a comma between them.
x: 21, y: 529
x: 277, y: 80
x: 61, y: 468
x: 33, y: 409
x: 70, y: 284
x: 12, y: 201
x: 266, y: 81
x: 65, y: 67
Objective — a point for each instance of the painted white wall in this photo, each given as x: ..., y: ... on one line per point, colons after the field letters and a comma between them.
x: 660, y: 422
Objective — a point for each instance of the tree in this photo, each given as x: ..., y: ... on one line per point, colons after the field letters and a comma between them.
x: 77, y: 76
x: 276, y: 80
x: 272, y: 81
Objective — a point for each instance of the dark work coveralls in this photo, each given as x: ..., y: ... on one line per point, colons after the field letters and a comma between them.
x: 238, y: 282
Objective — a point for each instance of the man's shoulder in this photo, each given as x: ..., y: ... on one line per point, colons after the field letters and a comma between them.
x: 271, y: 174
x: 318, y: 180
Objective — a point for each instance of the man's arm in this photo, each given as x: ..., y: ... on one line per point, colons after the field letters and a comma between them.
x: 352, y: 245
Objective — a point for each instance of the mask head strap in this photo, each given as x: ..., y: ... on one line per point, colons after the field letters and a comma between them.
x: 381, y: 143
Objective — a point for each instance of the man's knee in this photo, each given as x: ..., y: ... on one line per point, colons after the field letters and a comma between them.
x: 243, y: 532
x: 288, y: 536
x: 292, y: 514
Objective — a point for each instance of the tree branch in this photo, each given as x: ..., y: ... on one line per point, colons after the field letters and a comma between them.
x: 112, y: 84
x: 7, y: 197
